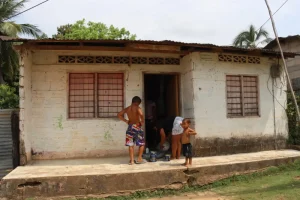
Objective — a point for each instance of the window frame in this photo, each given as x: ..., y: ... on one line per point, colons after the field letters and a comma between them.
x: 242, y: 96
x: 96, y: 102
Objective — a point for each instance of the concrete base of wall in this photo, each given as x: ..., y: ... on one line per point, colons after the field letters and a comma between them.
x: 82, y: 179
x: 79, y: 154
x: 218, y: 146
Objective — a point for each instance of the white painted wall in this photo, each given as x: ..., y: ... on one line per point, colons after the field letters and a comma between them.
x: 187, y: 91
x: 209, y: 77
x: 79, y: 138
x: 202, y: 93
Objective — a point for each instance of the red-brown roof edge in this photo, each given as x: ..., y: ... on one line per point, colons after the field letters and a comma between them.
x: 164, y: 42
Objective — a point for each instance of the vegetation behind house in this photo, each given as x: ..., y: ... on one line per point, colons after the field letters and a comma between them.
x: 293, y: 124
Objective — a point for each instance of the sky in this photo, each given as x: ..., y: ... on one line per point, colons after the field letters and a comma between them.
x: 199, y: 21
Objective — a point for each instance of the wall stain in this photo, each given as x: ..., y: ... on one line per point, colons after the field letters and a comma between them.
x: 107, y: 133
x: 59, y: 122
x: 108, y: 136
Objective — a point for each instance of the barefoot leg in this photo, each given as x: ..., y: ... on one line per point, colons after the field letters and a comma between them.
x: 178, y: 153
x: 174, y: 147
x: 131, y: 152
x: 190, y: 161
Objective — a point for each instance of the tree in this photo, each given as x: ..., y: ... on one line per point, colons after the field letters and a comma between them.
x: 8, y: 97
x: 43, y: 36
x: 252, y: 38
x: 9, y: 64
x: 92, y: 30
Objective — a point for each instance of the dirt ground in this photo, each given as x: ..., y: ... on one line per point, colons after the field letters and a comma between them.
x: 195, y: 196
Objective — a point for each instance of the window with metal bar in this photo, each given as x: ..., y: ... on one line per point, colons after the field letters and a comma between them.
x: 95, y: 95
x: 242, y: 96
x: 110, y: 94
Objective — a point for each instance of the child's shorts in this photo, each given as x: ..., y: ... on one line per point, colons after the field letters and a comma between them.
x: 135, y: 136
x: 187, y: 150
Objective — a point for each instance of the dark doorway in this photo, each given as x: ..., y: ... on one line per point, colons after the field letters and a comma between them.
x: 161, y: 91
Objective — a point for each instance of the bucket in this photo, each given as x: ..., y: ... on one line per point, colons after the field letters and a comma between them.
x: 167, y: 157
x: 153, y: 156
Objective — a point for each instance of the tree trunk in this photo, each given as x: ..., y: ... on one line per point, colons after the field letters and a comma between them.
x: 1, y: 77
x: 1, y: 74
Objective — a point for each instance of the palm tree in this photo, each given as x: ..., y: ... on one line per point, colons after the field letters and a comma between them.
x: 252, y: 38
x: 9, y: 65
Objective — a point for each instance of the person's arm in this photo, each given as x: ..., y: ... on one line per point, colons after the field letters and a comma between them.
x: 162, y: 137
x: 141, y: 116
x: 192, y: 132
x: 121, y: 116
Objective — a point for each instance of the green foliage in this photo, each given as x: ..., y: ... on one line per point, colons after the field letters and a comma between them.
x: 294, y: 128
x: 9, y: 61
x: 252, y: 38
x: 91, y: 31
x: 43, y: 36
x: 9, y: 8
x: 8, y: 97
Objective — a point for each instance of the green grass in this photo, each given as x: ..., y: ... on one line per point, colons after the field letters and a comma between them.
x: 274, y: 183
x: 281, y: 186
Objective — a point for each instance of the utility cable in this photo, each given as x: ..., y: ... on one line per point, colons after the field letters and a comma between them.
x: 284, y: 62
x: 27, y: 10
x: 273, y: 14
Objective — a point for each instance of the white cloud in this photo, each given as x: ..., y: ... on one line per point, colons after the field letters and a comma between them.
x: 205, y: 21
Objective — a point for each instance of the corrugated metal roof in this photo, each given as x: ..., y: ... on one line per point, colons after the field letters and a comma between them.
x: 273, y: 43
x: 50, y: 41
x: 6, y: 143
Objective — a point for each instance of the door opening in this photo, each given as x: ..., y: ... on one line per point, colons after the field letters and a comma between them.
x: 161, y: 101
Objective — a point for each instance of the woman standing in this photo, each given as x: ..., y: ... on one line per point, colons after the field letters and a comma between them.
x: 165, y: 127
x: 176, y: 137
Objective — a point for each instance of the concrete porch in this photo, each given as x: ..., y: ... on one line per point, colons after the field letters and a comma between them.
x: 83, y: 177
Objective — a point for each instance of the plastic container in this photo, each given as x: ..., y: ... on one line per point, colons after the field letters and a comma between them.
x: 152, y: 156
x: 167, y: 157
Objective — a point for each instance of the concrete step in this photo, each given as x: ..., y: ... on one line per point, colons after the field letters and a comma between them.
x: 83, y: 177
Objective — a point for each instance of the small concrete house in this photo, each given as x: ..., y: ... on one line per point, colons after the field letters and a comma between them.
x: 290, y: 44
x: 71, y: 92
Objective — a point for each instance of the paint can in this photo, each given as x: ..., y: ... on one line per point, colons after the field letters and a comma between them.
x: 153, y: 156
x: 167, y: 157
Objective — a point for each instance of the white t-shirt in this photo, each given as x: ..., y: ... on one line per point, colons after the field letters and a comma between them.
x: 177, y: 129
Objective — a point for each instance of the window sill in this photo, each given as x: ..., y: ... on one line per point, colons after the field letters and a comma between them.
x: 93, y: 119
x: 243, y: 117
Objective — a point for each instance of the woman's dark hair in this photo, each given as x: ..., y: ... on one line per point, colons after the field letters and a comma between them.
x: 136, y: 99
